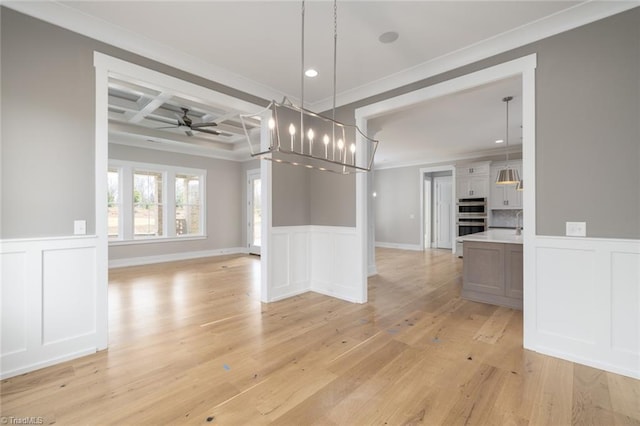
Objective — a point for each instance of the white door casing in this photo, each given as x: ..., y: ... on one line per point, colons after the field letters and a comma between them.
x: 444, y: 211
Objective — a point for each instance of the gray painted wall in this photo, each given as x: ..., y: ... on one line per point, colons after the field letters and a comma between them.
x: 398, y: 198
x: 47, y: 129
x: 312, y: 197
x: 224, y: 202
x: 290, y: 197
x: 587, y: 125
x: 47, y: 170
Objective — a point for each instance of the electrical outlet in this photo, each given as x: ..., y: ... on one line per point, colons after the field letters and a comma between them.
x: 79, y: 227
x: 576, y: 229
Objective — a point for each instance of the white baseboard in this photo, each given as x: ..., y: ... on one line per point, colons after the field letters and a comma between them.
x: 601, y: 365
x: 46, y: 363
x: 323, y: 288
x: 414, y: 247
x: 148, y: 260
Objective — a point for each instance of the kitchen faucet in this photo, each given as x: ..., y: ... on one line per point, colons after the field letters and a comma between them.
x: 518, y: 227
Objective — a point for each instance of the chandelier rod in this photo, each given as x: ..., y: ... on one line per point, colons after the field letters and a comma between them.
x: 302, y: 82
x: 335, y: 53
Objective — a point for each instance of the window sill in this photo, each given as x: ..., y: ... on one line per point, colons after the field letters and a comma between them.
x: 155, y: 240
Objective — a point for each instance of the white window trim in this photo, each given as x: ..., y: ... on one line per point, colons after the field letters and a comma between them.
x: 126, y: 170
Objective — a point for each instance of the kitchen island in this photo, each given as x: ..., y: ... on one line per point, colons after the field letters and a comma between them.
x: 492, y: 267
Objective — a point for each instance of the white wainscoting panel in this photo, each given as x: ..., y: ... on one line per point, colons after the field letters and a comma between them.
x: 625, y: 302
x: 14, y: 303
x: 48, y: 302
x: 66, y: 288
x: 314, y: 258
x: 583, y: 302
x: 289, y: 258
x: 333, y: 262
x: 566, y: 296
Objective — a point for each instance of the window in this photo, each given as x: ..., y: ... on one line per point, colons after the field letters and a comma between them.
x: 152, y: 202
x: 147, y: 204
x: 113, y: 203
x: 187, y: 204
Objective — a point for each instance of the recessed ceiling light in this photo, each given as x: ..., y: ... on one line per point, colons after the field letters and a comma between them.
x: 388, y: 37
x: 311, y: 73
x: 499, y: 141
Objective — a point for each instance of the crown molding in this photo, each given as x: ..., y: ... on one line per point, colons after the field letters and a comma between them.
x: 452, y: 159
x: 565, y: 20
x: 71, y: 19
x: 81, y: 23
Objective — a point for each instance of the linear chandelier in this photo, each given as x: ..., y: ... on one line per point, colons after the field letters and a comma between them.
x: 301, y: 137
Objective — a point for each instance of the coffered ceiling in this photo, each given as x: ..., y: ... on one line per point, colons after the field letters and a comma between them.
x: 146, y: 117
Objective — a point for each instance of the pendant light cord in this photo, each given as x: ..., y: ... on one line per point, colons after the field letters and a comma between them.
x: 507, y: 99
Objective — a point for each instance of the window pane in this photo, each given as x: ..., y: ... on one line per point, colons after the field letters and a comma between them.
x: 147, y: 204
x: 188, y: 205
x: 113, y: 203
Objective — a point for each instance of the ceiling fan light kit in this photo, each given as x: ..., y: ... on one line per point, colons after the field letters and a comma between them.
x: 301, y: 137
x: 507, y: 175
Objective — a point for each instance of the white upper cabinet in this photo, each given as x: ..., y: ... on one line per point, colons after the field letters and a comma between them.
x: 472, y: 180
x: 505, y: 197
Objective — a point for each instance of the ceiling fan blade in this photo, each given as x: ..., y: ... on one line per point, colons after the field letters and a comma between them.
x: 211, y: 132
x: 180, y: 120
x: 210, y: 124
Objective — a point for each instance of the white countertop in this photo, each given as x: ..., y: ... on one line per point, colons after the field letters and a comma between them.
x: 494, y: 236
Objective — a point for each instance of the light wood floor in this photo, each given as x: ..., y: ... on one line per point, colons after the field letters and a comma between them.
x: 190, y: 342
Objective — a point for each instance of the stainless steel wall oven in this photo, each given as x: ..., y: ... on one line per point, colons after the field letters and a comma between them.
x: 471, y: 218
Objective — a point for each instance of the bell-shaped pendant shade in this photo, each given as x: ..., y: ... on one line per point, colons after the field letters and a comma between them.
x: 508, y: 176
x: 520, y: 186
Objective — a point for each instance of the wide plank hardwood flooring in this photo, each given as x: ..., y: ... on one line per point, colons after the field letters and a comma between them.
x: 191, y: 343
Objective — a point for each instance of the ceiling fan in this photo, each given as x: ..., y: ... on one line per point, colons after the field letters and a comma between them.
x: 186, y: 121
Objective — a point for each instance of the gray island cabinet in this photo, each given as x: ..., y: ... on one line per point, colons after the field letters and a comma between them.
x: 492, y: 268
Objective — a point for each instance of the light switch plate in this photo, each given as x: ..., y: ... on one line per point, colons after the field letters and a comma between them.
x: 576, y: 229
x: 79, y: 227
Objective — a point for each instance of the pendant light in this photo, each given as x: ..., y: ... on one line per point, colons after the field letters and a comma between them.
x: 292, y: 130
x: 507, y: 175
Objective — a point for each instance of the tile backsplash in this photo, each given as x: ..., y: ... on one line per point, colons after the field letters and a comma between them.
x: 505, y: 218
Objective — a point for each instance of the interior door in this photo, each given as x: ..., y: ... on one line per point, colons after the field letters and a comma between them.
x: 254, y: 211
x: 443, y: 208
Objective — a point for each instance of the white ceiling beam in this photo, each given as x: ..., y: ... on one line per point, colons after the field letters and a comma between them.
x: 151, y: 106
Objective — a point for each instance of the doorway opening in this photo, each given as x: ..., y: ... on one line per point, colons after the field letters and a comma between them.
x: 254, y: 211
x: 170, y: 130
x: 437, y: 207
